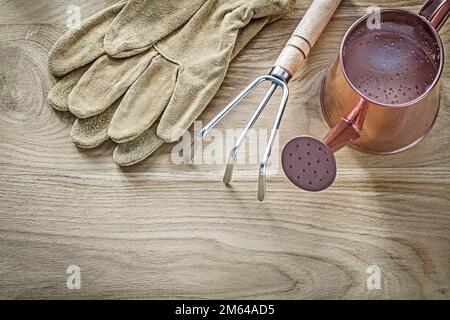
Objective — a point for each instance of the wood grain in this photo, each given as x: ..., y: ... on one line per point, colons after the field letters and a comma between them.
x: 160, y: 230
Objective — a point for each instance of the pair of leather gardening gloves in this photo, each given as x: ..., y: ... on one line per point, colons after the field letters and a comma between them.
x: 141, y: 71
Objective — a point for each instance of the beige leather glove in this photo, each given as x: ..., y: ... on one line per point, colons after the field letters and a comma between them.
x: 136, y: 63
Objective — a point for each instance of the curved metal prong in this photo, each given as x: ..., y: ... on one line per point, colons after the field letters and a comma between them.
x: 196, y: 143
x: 230, y: 107
x: 234, y: 151
x: 273, y: 134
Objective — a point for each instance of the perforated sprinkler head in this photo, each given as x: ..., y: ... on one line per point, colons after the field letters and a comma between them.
x: 309, y: 163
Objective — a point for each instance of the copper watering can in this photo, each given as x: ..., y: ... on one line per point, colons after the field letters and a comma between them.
x: 381, y: 96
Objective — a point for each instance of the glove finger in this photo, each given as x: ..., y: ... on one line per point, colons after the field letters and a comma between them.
x: 247, y: 33
x: 192, y: 94
x: 105, y: 82
x: 266, y: 8
x: 145, y: 101
x: 79, y: 47
x: 135, y: 151
x: 92, y: 132
x: 144, y: 22
x: 59, y: 94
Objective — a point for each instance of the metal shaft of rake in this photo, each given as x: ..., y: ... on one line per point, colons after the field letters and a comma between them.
x: 268, y: 151
x: 244, y: 134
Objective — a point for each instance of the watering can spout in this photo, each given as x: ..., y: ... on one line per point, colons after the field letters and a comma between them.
x: 349, y: 128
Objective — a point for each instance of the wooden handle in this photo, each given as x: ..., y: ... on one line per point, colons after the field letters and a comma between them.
x: 306, y: 34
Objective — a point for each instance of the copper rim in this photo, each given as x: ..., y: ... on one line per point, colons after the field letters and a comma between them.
x: 432, y: 30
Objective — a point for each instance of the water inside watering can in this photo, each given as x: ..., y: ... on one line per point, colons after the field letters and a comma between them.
x: 389, y: 68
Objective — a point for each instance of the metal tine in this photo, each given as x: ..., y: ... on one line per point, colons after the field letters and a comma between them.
x: 224, y: 112
x: 273, y: 134
x: 244, y: 134
x: 276, y: 82
x: 231, y: 106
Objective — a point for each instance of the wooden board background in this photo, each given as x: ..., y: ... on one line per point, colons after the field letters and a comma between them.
x: 160, y: 230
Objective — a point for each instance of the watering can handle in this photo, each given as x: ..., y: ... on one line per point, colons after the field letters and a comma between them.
x: 306, y: 35
x: 437, y: 12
